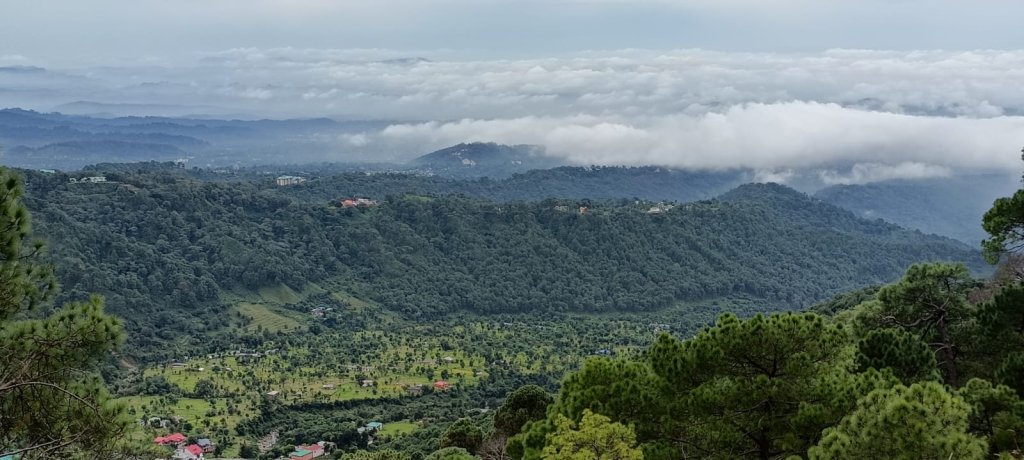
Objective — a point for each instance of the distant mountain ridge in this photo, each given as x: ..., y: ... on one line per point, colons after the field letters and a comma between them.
x: 209, y: 141
x: 949, y: 206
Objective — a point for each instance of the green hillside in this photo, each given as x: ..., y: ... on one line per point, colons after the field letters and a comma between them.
x: 164, y: 249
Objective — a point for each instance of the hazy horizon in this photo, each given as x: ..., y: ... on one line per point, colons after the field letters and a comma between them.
x: 891, y: 89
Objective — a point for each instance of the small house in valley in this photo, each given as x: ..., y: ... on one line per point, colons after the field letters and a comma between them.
x: 370, y: 428
x: 306, y: 452
x: 358, y: 202
x: 170, y: 440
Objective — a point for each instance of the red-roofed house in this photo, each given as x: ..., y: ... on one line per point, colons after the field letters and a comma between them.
x: 175, y: 438
x: 441, y: 385
x: 306, y: 452
x: 192, y: 452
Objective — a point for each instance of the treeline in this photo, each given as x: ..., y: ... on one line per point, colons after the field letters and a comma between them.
x: 596, y: 183
x: 917, y: 371
x: 928, y: 367
x: 163, y: 247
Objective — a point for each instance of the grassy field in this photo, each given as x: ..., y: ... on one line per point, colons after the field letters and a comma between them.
x: 400, y: 428
x: 308, y: 360
x: 269, y: 318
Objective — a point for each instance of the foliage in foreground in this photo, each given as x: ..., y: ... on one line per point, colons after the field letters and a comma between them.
x: 52, y: 402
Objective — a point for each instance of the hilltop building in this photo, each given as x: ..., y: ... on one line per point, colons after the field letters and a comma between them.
x: 283, y: 181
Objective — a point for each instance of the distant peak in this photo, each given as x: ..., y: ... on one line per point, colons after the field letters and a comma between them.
x: 22, y: 69
x: 485, y: 159
x: 760, y: 190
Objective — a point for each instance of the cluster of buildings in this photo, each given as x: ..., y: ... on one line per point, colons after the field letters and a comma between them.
x: 88, y: 180
x: 660, y: 208
x: 582, y: 209
x: 358, y: 202
x: 184, y: 451
x: 283, y: 181
x: 311, y: 451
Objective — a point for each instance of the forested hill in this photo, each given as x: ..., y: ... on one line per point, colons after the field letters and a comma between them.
x: 596, y: 183
x: 951, y: 206
x: 163, y: 248
x: 481, y: 159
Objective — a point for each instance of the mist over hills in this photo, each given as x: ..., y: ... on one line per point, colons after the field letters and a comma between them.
x: 29, y: 138
x: 934, y: 201
x: 951, y: 206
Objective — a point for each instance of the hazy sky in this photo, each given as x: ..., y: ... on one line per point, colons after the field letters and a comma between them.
x: 886, y: 88
x: 64, y: 31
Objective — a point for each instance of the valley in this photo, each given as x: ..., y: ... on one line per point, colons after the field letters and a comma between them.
x: 255, y: 309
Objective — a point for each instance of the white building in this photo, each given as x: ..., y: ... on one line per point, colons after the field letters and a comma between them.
x: 290, y: 180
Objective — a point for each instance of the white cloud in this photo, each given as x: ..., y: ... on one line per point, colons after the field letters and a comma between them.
x: 380, y: 84
x: 355, y: 140
x: 903, y: 113
x: 765, y: 137
x: 862, y: 173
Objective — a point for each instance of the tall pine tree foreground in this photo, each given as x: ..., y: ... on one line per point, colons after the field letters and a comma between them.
x: 52, y: 402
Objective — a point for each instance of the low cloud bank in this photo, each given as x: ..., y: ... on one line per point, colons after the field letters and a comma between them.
x: 856, y: 115
x: 866, y: 145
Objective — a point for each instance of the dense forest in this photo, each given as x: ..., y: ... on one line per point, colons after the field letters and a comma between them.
x: 261, y: 291
x: 164, y: 247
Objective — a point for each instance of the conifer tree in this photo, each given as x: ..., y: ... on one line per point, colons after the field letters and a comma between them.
x: 526, y: 404
x: 902, y: 352
x: 1004, y: 222
x: 996, y: 414
x: 922, y: 421
x: 595, y: 438
x: 52, y: 402
x: 931, y: 301
x: 464, y: 434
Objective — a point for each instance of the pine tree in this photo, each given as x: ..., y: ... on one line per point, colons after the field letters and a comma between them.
x: 526, y: 404
x: 931, y: 301
x: 922, y: 421
x: 996, y: 414
x: 464, y: 434
x: 902, y: 352
x: 596, y: 438
x: 52, y: 402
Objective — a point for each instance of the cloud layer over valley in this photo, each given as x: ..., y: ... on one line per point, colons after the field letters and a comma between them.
x: 855, y: 115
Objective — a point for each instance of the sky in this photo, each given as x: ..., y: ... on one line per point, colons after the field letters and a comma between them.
x: 84, y: 31
x: 903, y: 88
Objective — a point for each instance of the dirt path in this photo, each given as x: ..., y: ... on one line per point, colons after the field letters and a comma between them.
x: 266, y: 442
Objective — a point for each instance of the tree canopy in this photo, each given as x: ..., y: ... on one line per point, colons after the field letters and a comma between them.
x: 52, y: 401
